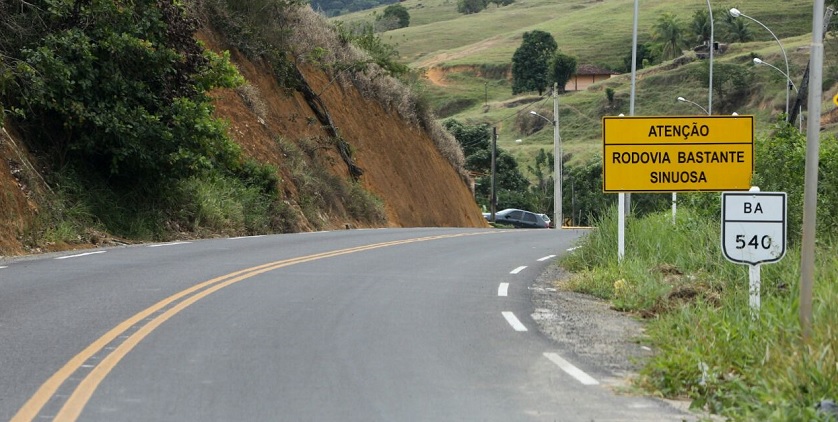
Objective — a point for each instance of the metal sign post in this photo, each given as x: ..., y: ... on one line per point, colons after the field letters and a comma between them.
x: 754, y: 232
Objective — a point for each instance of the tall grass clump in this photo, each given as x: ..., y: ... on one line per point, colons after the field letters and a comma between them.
x: 709, y: 345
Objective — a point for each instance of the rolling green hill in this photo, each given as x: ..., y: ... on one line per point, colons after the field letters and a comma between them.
x: 467, y: 57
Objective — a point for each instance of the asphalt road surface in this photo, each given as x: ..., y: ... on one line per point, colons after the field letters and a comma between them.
x: 356, y: 325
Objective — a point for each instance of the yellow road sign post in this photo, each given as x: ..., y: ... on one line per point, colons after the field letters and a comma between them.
x: 677, y: 154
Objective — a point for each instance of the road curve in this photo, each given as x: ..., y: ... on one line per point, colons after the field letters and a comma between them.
x: 360, y: 325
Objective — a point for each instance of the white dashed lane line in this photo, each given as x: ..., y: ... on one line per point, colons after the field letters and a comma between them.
x: 246, y: 237
x: 168, y: 244
x: 513, y: 321
x: 571, y: 370
x: 518, y: 270
x: 546, y: 258
x: 80, y: 255
x: 503, y: 289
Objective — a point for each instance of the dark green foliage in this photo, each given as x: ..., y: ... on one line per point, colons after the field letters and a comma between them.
x: 472, y: 138
x: 780, y: 161
x: 700, y: 27
x: 397, y: 12
x: 468, y: 7
x: 530, y: 62
x: 511, y: 187
x: 333, y: 8
x: 735, y: 29
x: 732, y: 84
x: 542, y: 190
x: 562, y: 67
x: 119, y: 92
x: 647, y: 54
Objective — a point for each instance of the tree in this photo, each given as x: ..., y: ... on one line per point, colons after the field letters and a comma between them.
x: 530, y: 62
x: 468, y: 7
x: 542, y: 190
x: 647, y: 54
x: 700, y: 26
x: 669, y: 32
x: 736, y: 29
x: 397, y: 12
x: 511, y: 187
x: 562, y: 67
x: 472, y: 138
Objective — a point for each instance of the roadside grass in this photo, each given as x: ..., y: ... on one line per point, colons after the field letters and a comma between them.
x: 708, y: 346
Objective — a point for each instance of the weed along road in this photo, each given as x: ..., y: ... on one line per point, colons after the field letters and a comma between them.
x: 357, y: 325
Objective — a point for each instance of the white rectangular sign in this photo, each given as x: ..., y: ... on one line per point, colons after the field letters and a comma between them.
x: 754, y: 226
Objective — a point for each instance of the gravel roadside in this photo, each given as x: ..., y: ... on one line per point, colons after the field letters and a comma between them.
x: 586, y: 328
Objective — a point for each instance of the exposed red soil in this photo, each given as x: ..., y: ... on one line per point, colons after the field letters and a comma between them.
x: 401, y: 164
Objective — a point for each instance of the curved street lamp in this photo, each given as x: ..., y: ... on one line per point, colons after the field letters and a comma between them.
x: 684, y: 100
x: 788, y: 79
x: 736, y: 13
x: 757, y: 61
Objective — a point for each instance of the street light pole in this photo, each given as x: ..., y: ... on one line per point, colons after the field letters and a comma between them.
x: 736, y: 13
x: 712, y: 47
x: 557, y: 159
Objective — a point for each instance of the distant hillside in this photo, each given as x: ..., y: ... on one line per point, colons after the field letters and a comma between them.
x: 466, y: 60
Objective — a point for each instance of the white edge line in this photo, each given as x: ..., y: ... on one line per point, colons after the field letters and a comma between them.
x: 571, y: 370
x: 503, y: 289
x: 246, y: 237
x: 80, y: 255
x: 573, y: 248
x: 518, y: 270
x: 168, y: 244
x: 3, y: 266
x: 513, y: 321
x: 546, y: 258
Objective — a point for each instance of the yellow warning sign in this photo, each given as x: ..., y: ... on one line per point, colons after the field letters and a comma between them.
x: 677, y: 154
x: 835, y: 100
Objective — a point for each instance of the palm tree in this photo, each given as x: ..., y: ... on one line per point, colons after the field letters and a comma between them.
x: 701, y: 26
x: 670, y: 33
x: 736, y: 30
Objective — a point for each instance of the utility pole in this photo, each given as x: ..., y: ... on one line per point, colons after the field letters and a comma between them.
x: 557, y: 160
x: 493, y: 200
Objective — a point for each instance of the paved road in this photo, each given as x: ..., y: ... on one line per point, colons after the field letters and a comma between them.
x: 361, y: 325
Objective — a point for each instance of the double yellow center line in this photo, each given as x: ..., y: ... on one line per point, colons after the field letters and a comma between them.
x: 164, y: 310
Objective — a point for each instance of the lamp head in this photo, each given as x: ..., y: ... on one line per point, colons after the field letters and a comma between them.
x: 758, y: 61
x: 735, y: 12
x: 682, y: 99
x: 533, y: 113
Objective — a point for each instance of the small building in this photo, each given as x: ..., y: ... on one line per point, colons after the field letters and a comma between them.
x: 587, y: 75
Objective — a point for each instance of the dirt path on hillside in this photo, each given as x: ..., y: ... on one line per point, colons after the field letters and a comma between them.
x: 436, y: 75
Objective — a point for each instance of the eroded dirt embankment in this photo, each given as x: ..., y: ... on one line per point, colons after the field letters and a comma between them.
x: 400, y: 162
